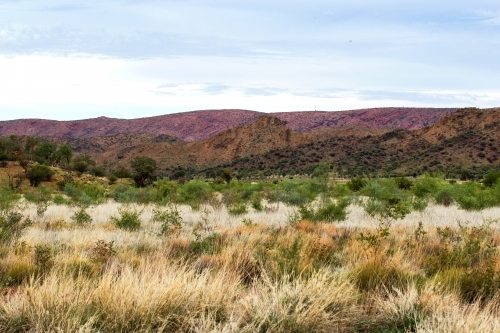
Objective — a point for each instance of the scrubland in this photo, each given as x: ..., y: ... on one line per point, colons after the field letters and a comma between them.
x: 363, y: 256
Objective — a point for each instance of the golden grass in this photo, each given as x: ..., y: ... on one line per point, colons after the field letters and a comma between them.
x: 233, y: 277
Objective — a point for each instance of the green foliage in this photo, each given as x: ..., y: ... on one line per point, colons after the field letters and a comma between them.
x: 238, y: 210
x: 63, y: 155
x: 426, y: 186
x: 86, y: 194
x: 403, y: 183
x: 44, y: 153
x: 43, y: 257
x: 466, y: 261
x: 356, y: 184
x: 112, y: 179
x: 144, y: 170
x: 227, y: 175
x: 211, y: 244
x: 376, y: 276
x: 81, y: 217
x: 39, y: 173
x: 82, y: 163
x: 329, y: 211
x: 128, y: 220
x: 19, y: 273
x: 122, y: 172
x: 98, y: 171
x: 491, y: 179
x: 170, y: 219
x: 11, y: 221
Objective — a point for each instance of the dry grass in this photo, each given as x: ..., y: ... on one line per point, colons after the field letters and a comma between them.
x: 221, y: 275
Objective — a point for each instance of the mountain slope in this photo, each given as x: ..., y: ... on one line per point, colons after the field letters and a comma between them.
x: 200, y: 125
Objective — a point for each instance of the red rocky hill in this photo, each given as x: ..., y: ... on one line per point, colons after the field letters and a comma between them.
x: 200, y: 125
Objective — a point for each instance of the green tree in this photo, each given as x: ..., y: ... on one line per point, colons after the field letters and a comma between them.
x: 29, y: 146
x: 227, y: 175
x: 144, y: 169
x: 63, y: 154
x: 44, y: 153
x: 82, y: 163
x: 39, y: 173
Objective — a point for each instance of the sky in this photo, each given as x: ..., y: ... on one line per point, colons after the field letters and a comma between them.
x: 137, y: 58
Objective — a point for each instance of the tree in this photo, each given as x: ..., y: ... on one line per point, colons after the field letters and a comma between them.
x: 29, y: 146
x: 39, y: 173
x: 82, y: 163
x: 144, y: 170
x: 227, y: 175
x: 44, y: 153
x: 63, y: 154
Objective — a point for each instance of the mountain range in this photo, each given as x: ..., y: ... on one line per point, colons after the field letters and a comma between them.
x: 384, y: 141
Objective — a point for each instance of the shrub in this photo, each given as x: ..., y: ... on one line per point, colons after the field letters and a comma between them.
x: 144, y: 170
x: 128, y: 220
x: 170, y: 219
x: 491, y: 179
x: 356, y: 184
x: 102, y: 252
x: 403, y: 183
x: 238, y: 210
x: 39, y: 173
x: 81, y: 217
x: 112, y: 179
x: 43, y: 257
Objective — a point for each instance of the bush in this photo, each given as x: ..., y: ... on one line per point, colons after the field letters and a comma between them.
x: 144, y: 170
x: 170, y: 219
x: 491, y: 179
x: 356, y: 184
x: 403, y: 183
x: 238, y: 210
x: 39, y: 173
x: 128, y: 220
x: 81, y: 217
x: 112, y: 179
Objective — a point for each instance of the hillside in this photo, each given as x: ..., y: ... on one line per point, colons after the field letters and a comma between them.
x: 200, y: 125
x: 269, y: 144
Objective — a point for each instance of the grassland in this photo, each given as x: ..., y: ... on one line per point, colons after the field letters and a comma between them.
x: 378, y: 255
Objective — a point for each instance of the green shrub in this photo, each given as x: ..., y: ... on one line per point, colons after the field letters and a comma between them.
x: 238, y: 210
x: 39, y: 173
x: 81, y: 217
x: 128, y: 220
x: 43, y: 257
x: 170, y: 219
x: 332, y: 211
x: 112, y: 179
x: 356, y: 184
x: 491, y: 179
x: 60, y: 200
x: 403, y: 183
x: 426, y: 186
x: 211, y: 244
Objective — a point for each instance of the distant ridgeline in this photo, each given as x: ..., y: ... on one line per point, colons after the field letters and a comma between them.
x: 461, y: 143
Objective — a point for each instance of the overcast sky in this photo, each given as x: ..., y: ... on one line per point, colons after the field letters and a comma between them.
x: 137, y: 58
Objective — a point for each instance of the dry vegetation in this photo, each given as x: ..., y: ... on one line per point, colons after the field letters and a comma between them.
x: 216, y: 272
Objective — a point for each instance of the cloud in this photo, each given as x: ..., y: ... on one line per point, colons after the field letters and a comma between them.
x: 426, y: 97
x: 215, y: 89
x: 488, y: 17
x: 63, y: 8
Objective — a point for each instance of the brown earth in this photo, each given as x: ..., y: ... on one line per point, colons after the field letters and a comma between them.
x: 200, y: 125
